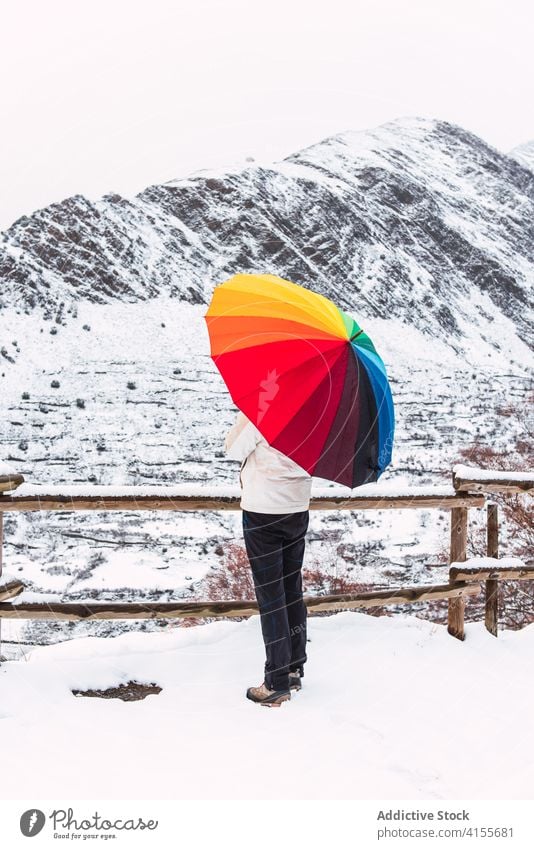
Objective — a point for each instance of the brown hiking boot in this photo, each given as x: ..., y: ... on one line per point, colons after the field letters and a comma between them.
x: 271, y: 698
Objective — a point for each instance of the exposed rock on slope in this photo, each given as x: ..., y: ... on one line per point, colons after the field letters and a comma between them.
x: 418, y: 219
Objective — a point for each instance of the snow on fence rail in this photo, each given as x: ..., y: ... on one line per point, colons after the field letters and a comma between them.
x: 463, y: 579
x: 186, y: 497
x: 470, y: 478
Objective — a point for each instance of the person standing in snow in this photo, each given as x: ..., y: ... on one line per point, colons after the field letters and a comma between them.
x: 275, y: 502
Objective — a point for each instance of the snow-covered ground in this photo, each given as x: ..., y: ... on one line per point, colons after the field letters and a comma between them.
x: 391, y: 707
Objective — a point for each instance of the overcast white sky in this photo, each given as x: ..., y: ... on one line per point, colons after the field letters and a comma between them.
x: 114, y: 96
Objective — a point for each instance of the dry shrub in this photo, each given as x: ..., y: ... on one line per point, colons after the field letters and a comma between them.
x: 320, y: 581
x: 232, y: 579
x: 516, y: 604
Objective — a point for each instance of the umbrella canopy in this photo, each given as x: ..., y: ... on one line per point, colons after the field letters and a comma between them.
x: 305, y: 374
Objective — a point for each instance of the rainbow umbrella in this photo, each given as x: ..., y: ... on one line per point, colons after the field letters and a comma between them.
x: 305, y: 374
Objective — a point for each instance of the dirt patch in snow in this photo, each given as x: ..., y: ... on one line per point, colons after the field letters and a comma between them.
x: 130, y: 692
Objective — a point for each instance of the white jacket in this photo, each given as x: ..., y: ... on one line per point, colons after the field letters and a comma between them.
x: 270, y: 481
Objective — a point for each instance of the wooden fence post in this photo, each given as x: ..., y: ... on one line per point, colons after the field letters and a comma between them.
x: 457, y: 554
x: 492, y: 584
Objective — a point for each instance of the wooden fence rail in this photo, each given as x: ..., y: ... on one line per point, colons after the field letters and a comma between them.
x: 230, y: 609
x: 472, y: 479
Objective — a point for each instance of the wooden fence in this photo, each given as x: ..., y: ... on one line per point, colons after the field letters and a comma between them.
x: 466, y: 493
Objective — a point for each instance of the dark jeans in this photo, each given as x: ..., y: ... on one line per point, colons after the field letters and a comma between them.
x: 275, y: 548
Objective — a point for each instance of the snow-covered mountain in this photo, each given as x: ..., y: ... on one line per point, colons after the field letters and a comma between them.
x: 416, y: 220
x: 418, y: 228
